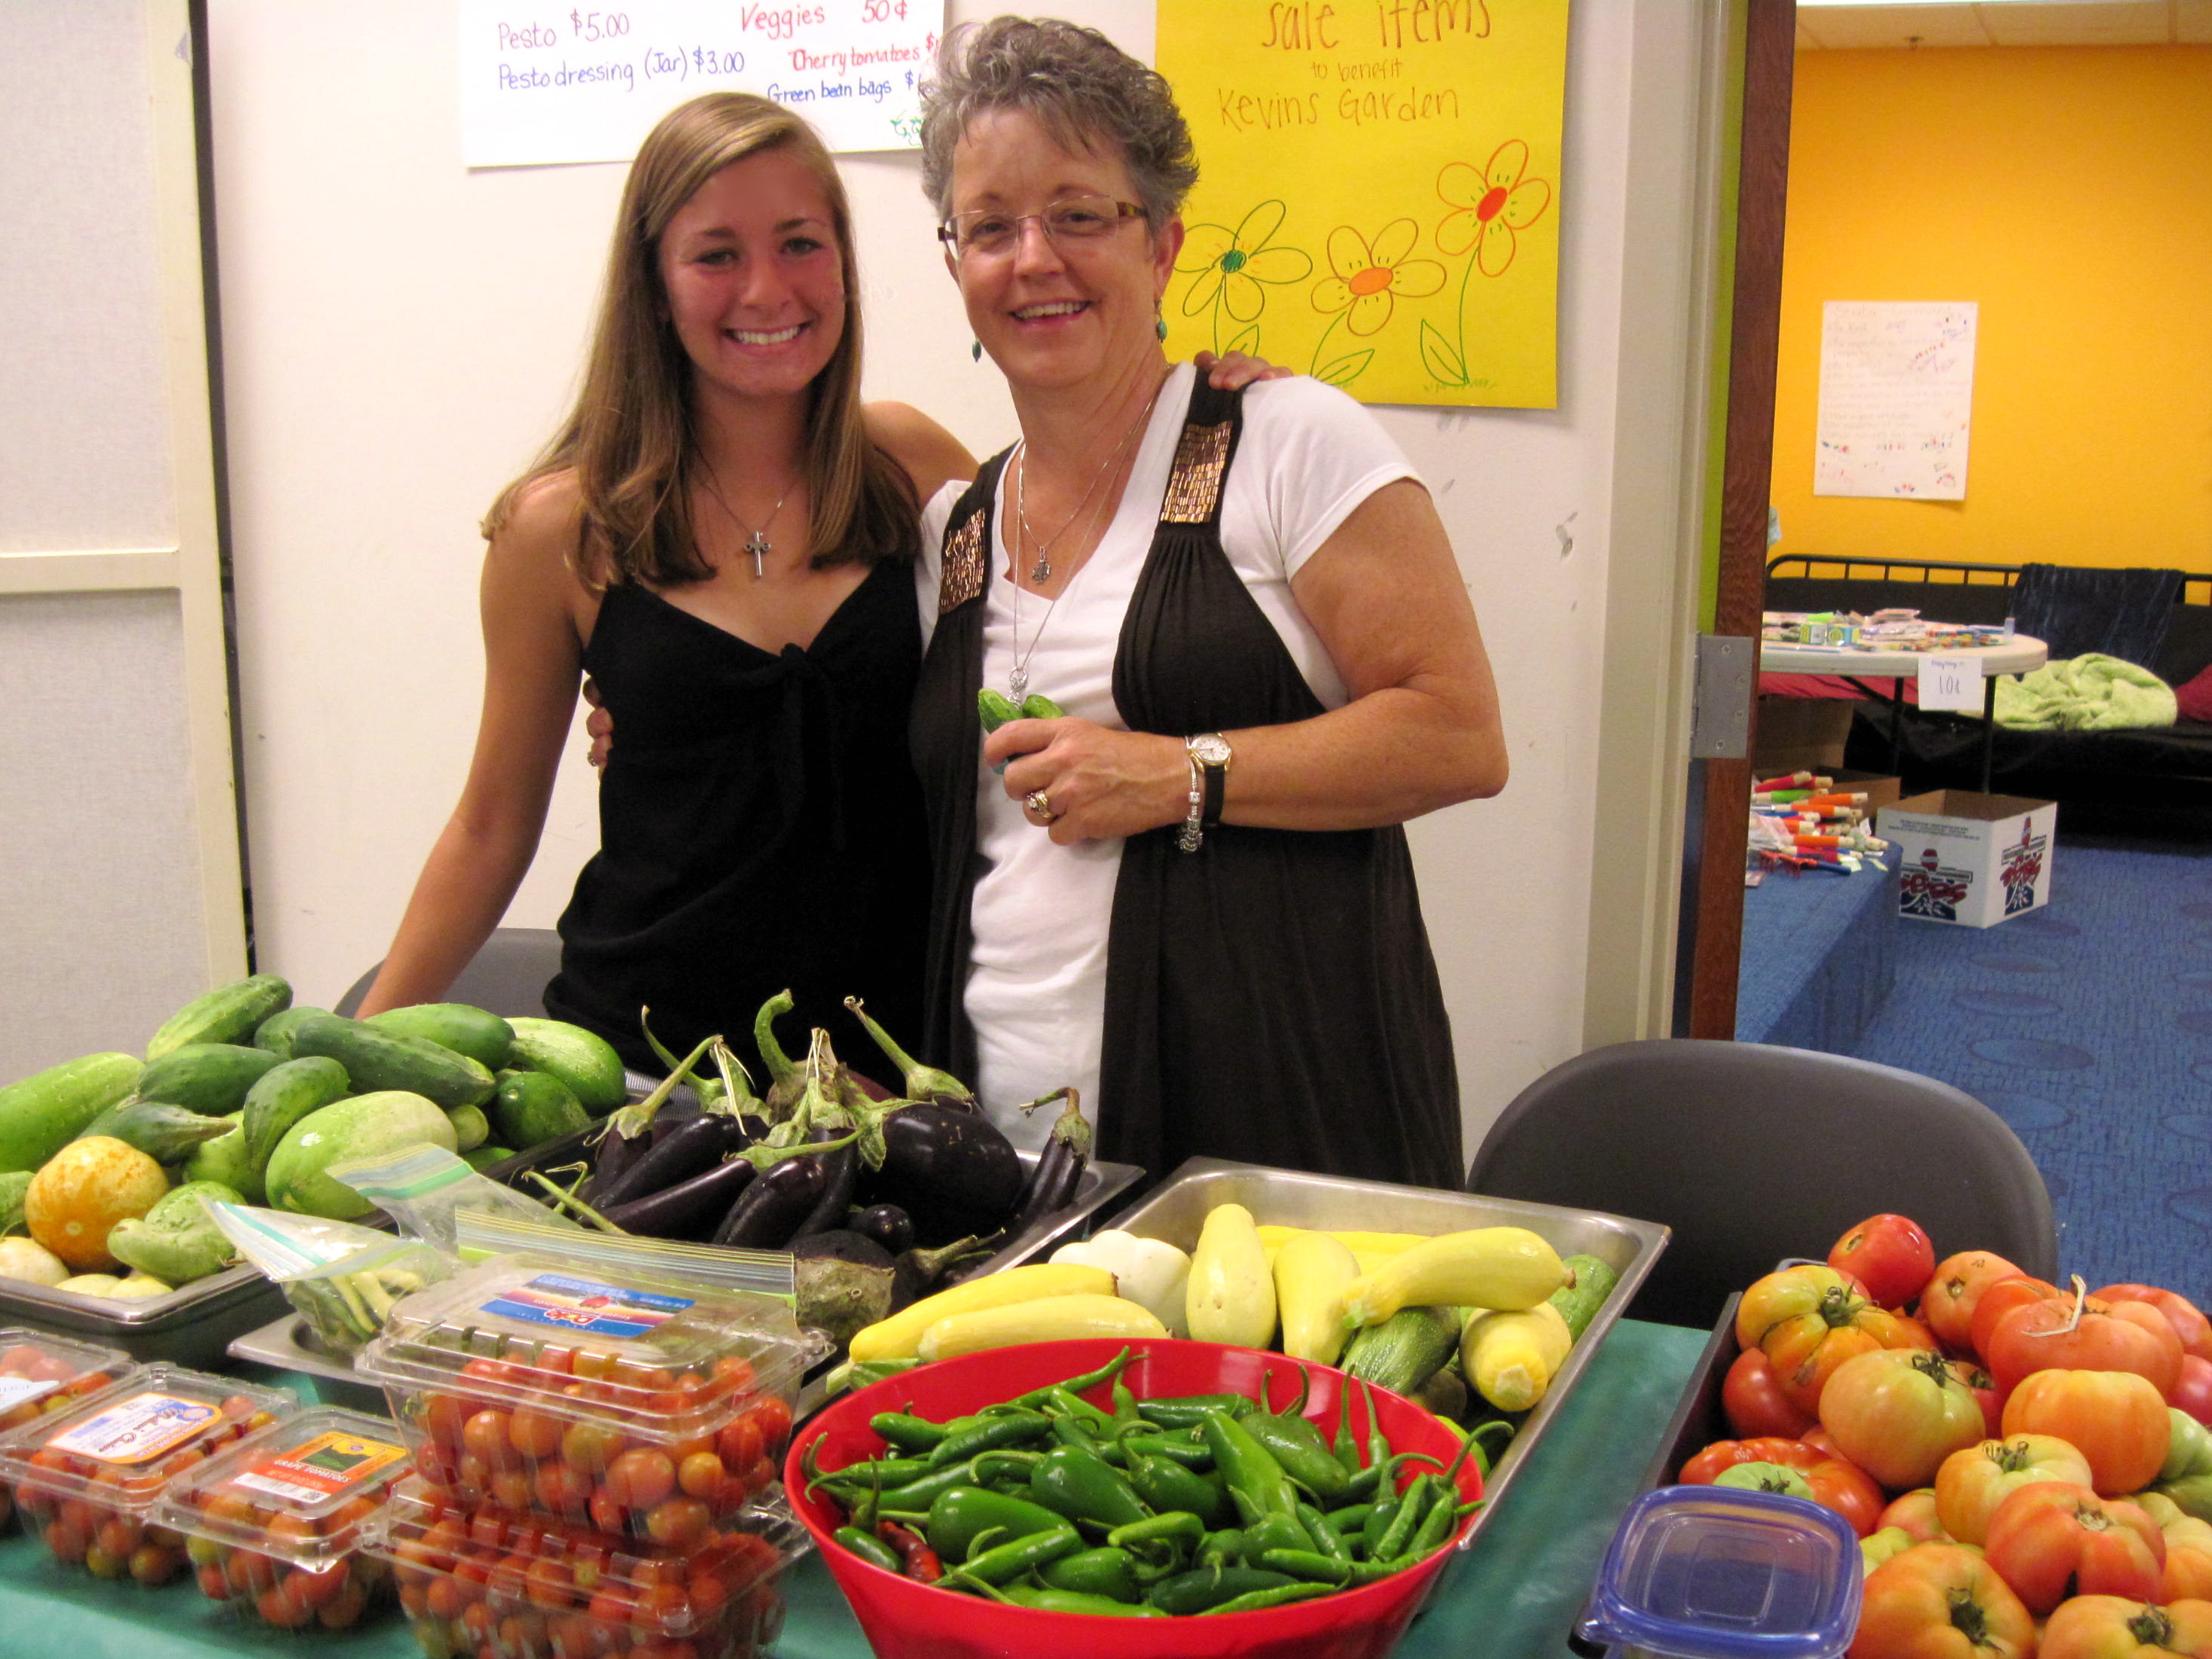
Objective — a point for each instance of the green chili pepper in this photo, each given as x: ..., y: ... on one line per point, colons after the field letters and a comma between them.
x: 1064, y: 1401
x: 1274, y: 1532
x: 1125, y: 1406
x: 989, y: 1435
x: 1190, y: 1411
x: 1206, y: 1586
x: 1259, y: 1601
x: 907, y: 1431
x: 1189, y: 1453
x: 959, y: 1515
x: 1078, y: 1483
x: 1348, y: 1518
x: 1035, y: 1398
x: 1093, y: 1572
x: 1436, y: 1526
x: 1180, y: 1527
x: 1224, y: 1546
x: 1166, y: 1484
x: 1413, y: 1508
x: 1326, y: 1539
x: 870, y: 1548
x: 1346, y: 1449
x: 993, y: 1469
x: 1063, y: 1601
x: 1296, y: 1445
x: 1001, y: 1562
x: 1309, y: 1565
x: 919, y: 1493
x: 1255, y: 1479
x: 889, y: 1473
x: 1072, y: 1431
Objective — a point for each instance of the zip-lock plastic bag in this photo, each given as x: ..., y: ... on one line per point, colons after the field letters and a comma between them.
x: 424, y: 1187
x: 343, y: 1280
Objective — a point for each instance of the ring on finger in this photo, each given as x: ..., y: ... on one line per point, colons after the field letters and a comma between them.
x: 1040, y: 803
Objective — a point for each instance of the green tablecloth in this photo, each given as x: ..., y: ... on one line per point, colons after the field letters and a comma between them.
x: 1521, y: 1586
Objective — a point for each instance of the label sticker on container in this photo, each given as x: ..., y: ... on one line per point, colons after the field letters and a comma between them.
x: 581, y: 1304
x: 139, y: 1429
x: 321, y: 1468
x: 21, y: 1390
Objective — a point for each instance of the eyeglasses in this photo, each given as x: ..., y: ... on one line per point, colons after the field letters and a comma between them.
x: 989, y: 233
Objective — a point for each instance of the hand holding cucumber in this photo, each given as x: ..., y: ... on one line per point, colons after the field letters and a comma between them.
x: 995, y: 709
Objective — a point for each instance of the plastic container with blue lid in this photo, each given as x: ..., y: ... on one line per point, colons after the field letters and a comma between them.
x: 1719, y: 1572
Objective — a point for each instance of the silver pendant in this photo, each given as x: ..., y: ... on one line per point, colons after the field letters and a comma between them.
x: 1019, y: 681
x: 757, y: 546
x: 1041, y: 572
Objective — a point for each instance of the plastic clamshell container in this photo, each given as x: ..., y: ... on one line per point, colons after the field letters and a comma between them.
x: 527, y: 1385
x: 278, y: 1525
x: 40, y: 1375
x: 477, y: 1581
x: 1716, y: 1572
x: 90, y: 1478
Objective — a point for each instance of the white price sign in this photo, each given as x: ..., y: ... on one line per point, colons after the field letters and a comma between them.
x: 552, y: 82
x: 1951, y: 679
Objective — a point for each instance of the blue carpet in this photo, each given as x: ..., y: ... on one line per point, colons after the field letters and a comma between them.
x: 2086, y: 1025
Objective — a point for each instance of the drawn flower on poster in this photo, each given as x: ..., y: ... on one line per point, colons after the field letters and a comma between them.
x: 1230, y: 266
x: 1489, y: 207
x: 1369, y: 279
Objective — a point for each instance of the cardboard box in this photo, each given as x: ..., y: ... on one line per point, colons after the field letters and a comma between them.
x: 1969, y: 859
x: 1801, y: 733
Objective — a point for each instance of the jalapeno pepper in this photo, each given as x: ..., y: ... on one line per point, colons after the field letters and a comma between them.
x: 1190, y: 1411
x: 1191, y: 1454
x: 869, y: 1547
x: 1255, y: 1480
x: 1296, y: 1445
x: 961, y: 1514
x: 1274, y: 1532
x: 1062, y: 1600
x: 1001, y: 1562
x: 1259, y: 1601
x: 1166, y: 1484
x: 1013, y: 1429
x: 907, y: 1431
x: 1004, y: 1467
x: 1206, y: 1586
x: 1078, y: 1483
x: 1103, y: 1571
x: 1225, y: 1546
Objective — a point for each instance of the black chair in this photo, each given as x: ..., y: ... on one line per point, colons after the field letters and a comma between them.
x: 506, y: 977
x: 1754, y: 1154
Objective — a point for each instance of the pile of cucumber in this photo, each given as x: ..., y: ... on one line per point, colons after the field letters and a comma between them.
x: 253, y: 1099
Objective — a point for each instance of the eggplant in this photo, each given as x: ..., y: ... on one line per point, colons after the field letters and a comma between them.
x: 917, y: 1273
x: 685, y: 1208
x: 888, y: 1224
x: 841, y: 1171
x: 770, y: 1208
x: 696, y: 1145
x: 841, y: 1244
x: 839, y: 1294
x: 953, y: 1170
x: 626, y: 1134
x: 1051, y: 1185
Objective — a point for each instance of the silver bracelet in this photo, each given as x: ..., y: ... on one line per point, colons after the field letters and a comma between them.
x: 1193, y: 835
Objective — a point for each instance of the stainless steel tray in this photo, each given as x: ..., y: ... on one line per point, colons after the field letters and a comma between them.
x: 1176, y: 1208
x: 189, y: 1325
x: 290, y: 1343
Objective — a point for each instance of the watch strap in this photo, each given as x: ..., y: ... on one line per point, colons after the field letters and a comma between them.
x: 1216, y: 786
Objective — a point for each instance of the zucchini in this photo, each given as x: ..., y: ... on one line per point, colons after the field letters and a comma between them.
x: 1579, y: 1302
x: 1404, y: 1351
x: 229, y: 1013
x: 284, y: 1095
x: 532, y: 1107
x: 583, y: 1059
x: 381, y: 1062
x: 43, y: 1113
x: 164, y: 1133
x: 484, y: 1037
x: 211, y: 1079
x: 275, y: 1033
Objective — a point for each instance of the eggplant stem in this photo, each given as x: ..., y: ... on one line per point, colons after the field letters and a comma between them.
x: 762, y: 1156
x: 565, y: 1200
x: 923, y: 1083
x: 781, y: 1065
x: 633, y: 1121
x: 738, y: 1094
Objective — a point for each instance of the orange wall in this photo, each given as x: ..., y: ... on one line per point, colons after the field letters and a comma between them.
x: 2069, y: 191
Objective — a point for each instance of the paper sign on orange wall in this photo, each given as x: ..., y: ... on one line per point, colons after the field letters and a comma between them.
x: 1378, y: 199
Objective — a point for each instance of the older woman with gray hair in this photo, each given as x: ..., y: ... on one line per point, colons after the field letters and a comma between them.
x: 1190, y: 893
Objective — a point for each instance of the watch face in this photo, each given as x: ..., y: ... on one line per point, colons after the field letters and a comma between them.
x: 1211, y: 749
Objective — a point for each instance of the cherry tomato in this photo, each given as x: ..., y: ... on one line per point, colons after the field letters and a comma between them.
x: 1887, y: 1254
x: 639, y: 1479
x: 1752, y: 1400
x: 485, y: 1436
x: 1947, y: 1301
x: 2054, y: 1538
x: 1920, y: 1603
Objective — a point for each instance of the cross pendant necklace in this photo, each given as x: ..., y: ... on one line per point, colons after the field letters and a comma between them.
x: 757, y: 541
x: 758, y: 545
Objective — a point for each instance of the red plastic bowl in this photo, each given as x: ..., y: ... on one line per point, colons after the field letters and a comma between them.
x: 904, y: 1619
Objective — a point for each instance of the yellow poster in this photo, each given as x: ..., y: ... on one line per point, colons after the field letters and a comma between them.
x: 1379, y: 197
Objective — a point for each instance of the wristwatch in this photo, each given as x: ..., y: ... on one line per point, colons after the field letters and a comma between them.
x: 1210, y: 756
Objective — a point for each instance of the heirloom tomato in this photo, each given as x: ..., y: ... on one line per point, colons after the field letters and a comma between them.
x: 1914, y: 1514
x: 2056, y: 1539
x: 1898, y: 1412
x: 2192, y: 1392
x: 1878, y: 1545
x: 2001, y: 1298
x: 2081, y: 1335
x: 1953, y: 1289
x: 1940, y: 1602
x: 1887, y: 1254
x: 2114, y: 1627
x: 2188, y: 1571
x: 2188, y: 1320
x: 2114, y: 1419
x: 1972, y: 1483
x: 1834, y: 1483
x: 1983, y: 1387
x: 1752, y: 1400
x: 1810, y: 1320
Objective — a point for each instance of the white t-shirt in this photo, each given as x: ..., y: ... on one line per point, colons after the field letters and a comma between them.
x: 1037, y: 982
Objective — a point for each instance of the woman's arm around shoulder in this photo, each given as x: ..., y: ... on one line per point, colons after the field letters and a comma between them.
x: 537, y: 614
x: 931, y: 456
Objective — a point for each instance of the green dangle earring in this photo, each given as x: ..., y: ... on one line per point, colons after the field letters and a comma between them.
x: 976, y: 351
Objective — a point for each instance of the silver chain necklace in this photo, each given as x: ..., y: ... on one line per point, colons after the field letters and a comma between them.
x: 757, y: 541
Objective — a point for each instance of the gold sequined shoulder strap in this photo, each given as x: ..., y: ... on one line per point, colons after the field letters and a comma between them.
x: 968, y: 538
x: 1202, y: 456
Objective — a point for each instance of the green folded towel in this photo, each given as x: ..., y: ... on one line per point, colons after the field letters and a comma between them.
x: 2089, y: 693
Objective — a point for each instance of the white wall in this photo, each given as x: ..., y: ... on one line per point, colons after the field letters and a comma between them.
x: 398, y: 336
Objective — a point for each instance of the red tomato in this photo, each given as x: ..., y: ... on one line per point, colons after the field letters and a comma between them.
x: 2192, y: 1391
x: 1809, y: 1320
x: 1980, y: 1384
x: 1940, y: 1602
x: 1914, y: 1514
x: 2189, y: 1321
x: 1972, y: 1483
x: 1753, y: 1402
x: 2114, y: 1627
x: 1947, y: 1301
x: 2080, y: 1335
x: 1887, y: 1254
x: 2116, y: 1420
x: 2013, y: 1291
x: 2054, y: 1538
x: 1834, y: 1483
x: 1898, y: 1412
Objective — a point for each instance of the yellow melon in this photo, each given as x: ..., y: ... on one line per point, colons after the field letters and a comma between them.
x: 84, y: 1190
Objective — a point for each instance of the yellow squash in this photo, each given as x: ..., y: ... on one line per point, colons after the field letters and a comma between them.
x: 1312, y: 1271
x: 899, y: 1336
x: 1512, y: 1358
x: 1047, y: 1319
x: 1505, y: 1268
x: 1231, y: 1295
